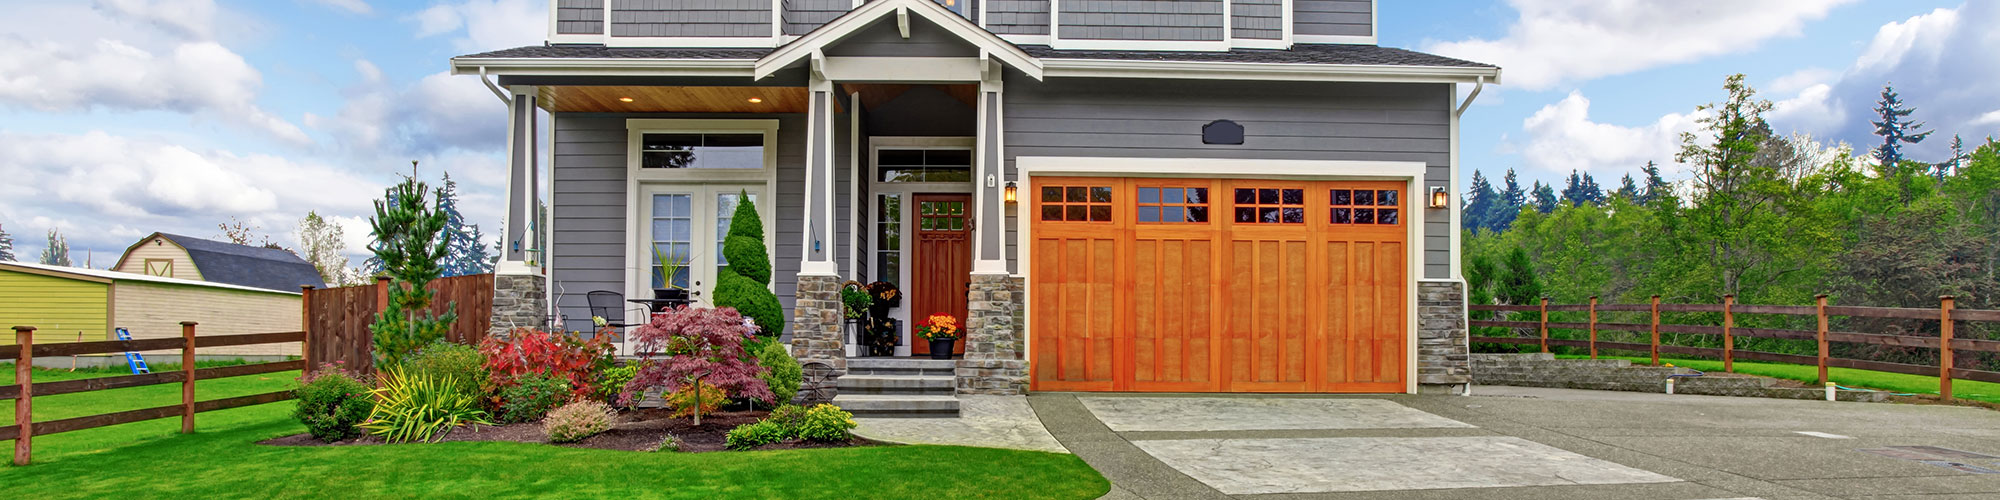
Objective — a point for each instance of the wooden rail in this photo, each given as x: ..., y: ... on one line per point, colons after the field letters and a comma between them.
x: 1945, y: 343
x: 24, y: 390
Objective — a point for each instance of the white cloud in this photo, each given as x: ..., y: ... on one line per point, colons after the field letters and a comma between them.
x: 1554, y: 42
x: 1990, y: 118
x: 1941, y: 65
x: 1801, y: 80
x: 194, y: 19
x: 1812, y: 109
x: 353, y: 6
x: 1562, y: 137
x: 487, y: 24
x: 439, y: 112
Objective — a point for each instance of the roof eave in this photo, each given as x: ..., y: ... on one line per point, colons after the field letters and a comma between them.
x: 869, y: 12
x: 1215, y: 70
x: 569, y: 66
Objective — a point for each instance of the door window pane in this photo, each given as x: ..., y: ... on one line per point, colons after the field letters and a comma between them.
x: 889, y: 235
x: 672, y: 219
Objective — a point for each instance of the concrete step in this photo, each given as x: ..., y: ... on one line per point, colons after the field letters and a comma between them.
x: 936, y: 385
x: 898, y: 405
x: 901, y: 366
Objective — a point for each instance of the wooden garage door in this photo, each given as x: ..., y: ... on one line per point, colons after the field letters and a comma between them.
x: 1217, y: 285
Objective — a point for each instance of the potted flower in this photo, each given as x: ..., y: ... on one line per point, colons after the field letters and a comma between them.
x: 941, y: 330
x: 857, y: 299
x: 669, y: 266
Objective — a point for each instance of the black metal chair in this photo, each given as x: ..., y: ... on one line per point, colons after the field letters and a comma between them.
x: 604, y: 304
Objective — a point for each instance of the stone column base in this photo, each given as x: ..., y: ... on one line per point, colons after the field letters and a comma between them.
x: 994, y: 361
x: 519, y: 301
x: 816, y: 329
x: 1442, y: 351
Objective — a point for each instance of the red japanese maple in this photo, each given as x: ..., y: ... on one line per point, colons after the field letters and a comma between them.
x: 700, y: 345
x: 553, y: 354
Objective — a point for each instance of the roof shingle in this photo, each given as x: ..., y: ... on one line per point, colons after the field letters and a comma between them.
x: 1363, y: 55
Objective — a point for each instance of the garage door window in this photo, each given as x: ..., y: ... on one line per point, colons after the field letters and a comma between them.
x: 1076, y: 203
x: 1365, y: 206
x: 1170, y: 205
x: 1270, y: 206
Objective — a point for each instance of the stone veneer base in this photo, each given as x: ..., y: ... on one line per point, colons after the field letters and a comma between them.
x: 816, y: 327
x: 1442, y: 350
x: 994, y: 363
x: 518, y: 301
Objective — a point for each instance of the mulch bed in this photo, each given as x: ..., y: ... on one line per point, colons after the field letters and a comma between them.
x: 638, y: 430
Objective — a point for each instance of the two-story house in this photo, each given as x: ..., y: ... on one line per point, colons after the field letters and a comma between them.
x: 1118, y: 195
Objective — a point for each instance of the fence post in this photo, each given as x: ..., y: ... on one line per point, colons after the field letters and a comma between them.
x: 381, y: 294
x: 305, y: 326
x: 187, y: 377
x: 1545, y: 324
x: 1944, y: 347
x: 1593, y: 327
x: 1728, y: 339
x: 1820, y: 301
x: 24, y: 419
x: 1656, y: 330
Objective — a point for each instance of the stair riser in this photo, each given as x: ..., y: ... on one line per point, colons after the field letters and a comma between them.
x: 910, y: 391
x: 938, y: 372
x: 907, y: 414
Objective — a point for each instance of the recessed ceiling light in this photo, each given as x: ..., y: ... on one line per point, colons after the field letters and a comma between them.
x: 624, y: 99
x: 755, y: 100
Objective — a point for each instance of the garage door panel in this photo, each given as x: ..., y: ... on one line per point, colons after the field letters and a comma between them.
x: 1172, y: 291
x: 1268, y: 330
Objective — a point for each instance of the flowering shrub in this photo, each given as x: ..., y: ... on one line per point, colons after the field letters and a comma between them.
x: 826, y: 422
x: 332, y: 403
x: 753, y: 435
x: 686, y: 402
x: 940, y: 326
x: 531, y: 396
x: 703, y: 346
x: 560, y: 355
x: 575, y: 421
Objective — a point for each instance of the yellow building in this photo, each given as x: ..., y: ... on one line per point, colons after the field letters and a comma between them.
x: 68, y: 304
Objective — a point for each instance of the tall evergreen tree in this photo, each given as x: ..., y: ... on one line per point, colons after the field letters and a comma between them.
x: 1895, y: 129
x: 1480, y: 210
x: 1545, y: 198
x: 1517, y: 282
x: 1626, y: 188
x: 56, y: 253
x: 1656, y: 186
x: 6, y: 246
x: 407, y: 245
x: 745, y: 282
x: 465, y: 251
x: 1512, y: 198
x: 1582, y: 190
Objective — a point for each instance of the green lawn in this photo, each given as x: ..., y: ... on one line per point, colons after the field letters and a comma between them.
x: 221, y: 460
x: 1847, y: 377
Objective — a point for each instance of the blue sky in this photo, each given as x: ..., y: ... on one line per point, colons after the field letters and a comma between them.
x: 123, y: 117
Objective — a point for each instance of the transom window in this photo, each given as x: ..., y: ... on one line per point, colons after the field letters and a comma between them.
x: 924, y: 165
x: 1076, y: 203
x: 1173, y: 204
x: 1270, y: 206
x: 702, y: 151
x: 1365, y: 206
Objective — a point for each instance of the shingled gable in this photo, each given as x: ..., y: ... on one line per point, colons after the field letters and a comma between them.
x: 244, y: 265
x: 898, y: 11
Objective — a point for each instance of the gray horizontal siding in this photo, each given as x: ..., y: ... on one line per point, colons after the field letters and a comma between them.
x: 579, y: 17
x: 884, y: 39
x: 587, y: 251
x: 1017, y: 17
x: 691, y: 18
x: 802, y: 16
x: 1257, y: 19
x: 1333, y: 17
x: 1282, y: 121
x: 1140, y: 20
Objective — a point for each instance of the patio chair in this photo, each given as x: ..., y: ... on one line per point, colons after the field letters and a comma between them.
x: 604, y: 304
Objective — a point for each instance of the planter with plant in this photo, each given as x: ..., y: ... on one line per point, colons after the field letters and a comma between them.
x: 881, y: 335
x: 671, y: 265
x: 941, y: 330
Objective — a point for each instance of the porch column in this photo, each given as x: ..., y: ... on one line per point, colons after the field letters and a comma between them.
x: 816, y: 310
x: 993, y: 362
x: 519, y: 293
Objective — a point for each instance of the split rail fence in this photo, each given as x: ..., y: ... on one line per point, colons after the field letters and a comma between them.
x: 25, y: 389
x: 1728, y: 331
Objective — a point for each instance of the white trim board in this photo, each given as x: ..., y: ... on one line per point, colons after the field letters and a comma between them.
x: 868, y: 13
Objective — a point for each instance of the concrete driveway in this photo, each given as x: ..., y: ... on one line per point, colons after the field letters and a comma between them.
x: 1525, y: 443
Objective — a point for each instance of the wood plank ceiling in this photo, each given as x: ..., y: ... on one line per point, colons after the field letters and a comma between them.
x: 606, y: 99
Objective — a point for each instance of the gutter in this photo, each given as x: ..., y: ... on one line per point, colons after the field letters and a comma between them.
x: 1070, y: 68
x: 1479, y: 85
x: 494, y: 87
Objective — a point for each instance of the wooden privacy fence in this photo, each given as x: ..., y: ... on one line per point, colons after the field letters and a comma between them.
x: 1945, y: 315
x: 338, y: 318
x: 25, y: 390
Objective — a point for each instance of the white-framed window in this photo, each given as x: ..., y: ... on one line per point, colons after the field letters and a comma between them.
x: 685, y: 178
x: 685, y: 150
x: 678, y: 226
x: 889, y: 238
x: 923, y: 164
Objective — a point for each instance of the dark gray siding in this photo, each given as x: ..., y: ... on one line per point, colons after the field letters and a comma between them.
x: 588, y: 249
x: 1333, y: 17
x: 883, y: 39
x: 1141, y: 20
x: 1282, y: 121
x: 802, y: 16
x: 1257, y: 19
x: 579, y: 17
x: 691, y: 18
x: 1017, y: 17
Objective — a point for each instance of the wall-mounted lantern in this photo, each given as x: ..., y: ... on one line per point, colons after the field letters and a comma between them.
x: 1439, y: 198
x: 1010, y: 195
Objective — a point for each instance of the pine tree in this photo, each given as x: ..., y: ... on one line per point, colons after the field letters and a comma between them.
x: 1512, y: 198
x: 745, y: 283
x: 1656, y: 187
x: 465, y: 252
x: 1518, y: 284
x: 1545, y: 198
x: 1895, y: 129
x: 407, y: 245
x: 6, y: 246
x: 1482, y: 209
x: 1627, y: 189
x: 56, y: 253
x: 1957, y: 157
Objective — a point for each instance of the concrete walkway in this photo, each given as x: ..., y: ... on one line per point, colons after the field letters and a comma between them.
x: 1523, y: 443
x: 984, y: 421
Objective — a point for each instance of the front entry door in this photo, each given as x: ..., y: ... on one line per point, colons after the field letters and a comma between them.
x: 943, y: 262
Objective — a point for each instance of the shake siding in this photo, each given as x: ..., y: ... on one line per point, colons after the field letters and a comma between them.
x: 1140, y: 20
x: 1017, y: 17
x: 1282, y: 121
x: 579, y: 16
x: 802, y: 16
x: 1333, y: 17
x: 155, y: 310
x: 58, y: 307
x: 691, y: 18
x: 1257, y: 19
x: 135, y: 261
x: 884, y: 40
x: 587, y: 251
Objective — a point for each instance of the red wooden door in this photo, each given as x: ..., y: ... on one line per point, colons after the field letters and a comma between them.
x: 943, y: 262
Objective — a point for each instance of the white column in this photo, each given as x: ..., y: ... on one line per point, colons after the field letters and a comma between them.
x: 989, y: 253
x: 817, y: 257
x: 518, y: 227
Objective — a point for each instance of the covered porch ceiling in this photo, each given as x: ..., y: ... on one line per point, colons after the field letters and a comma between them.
x: 691, y: 99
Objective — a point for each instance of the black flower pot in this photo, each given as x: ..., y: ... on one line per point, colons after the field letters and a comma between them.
x: 941, y: 348
x: 673, y: 297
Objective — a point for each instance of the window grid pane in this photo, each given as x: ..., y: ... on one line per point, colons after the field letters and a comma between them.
x: 1365, y: 206
x: 1073, y: 204
x: 888, y: 254
x: 672, y: 218
x: 1270, y: 206
x: 1173, y: 205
